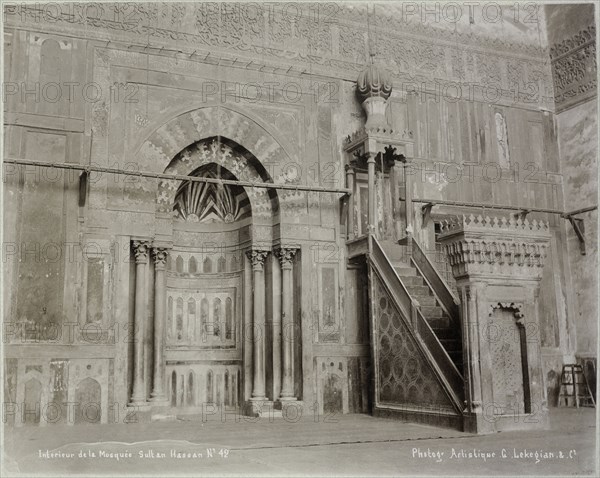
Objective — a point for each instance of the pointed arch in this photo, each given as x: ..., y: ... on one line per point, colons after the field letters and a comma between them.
x: 33, y: 400
x: 190, y: 397
x: 179, y: 335
x: 229, y: 324
x: 255, y: 142
x: 87, y: 398
x: 174, y: 388
x: 210, y: 398
x: 227, y: 388
x: 216, y: 157
x: 217, y: 316
x: 234, y: 263
x: 170, y: 324
x: 191, y: 306
x: 196, y: 124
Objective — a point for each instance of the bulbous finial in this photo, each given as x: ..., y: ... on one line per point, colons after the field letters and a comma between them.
x: 374, y: 87
x: 374, y: 82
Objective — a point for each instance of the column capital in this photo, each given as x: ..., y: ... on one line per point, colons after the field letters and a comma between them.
x: 359, y: 157
x: 257, y: 257
x: 472, y: 289
x: 160, y: 254
x: 286, y: 254
x: 352, y: 164
x: 141, y: 248
x: 392, y: 157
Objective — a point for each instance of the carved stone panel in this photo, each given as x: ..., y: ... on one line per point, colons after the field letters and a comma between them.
x: 32, y: 401
x: 507, y: 375
x: 574, y: 68
x: 332, y: 385
x: 88, y: 401
x: 338, y: 42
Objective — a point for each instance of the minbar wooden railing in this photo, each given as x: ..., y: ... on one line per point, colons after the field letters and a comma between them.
x: 429, y: 272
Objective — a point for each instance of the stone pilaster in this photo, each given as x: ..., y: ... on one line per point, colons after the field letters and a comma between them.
x: 471, y: 296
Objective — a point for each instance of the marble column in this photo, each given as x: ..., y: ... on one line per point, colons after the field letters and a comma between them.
x: 350, y: 176
x: 275, y: 291
x: 372, y: 196
x: 160, y: 291
x: 286, y: 257
x: 257, y: 258
x: 141, y: 248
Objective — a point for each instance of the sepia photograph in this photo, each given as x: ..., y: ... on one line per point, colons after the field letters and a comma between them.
x: 280, y: 239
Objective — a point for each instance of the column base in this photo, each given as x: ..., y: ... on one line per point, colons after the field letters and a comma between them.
x: 139, y: 405
x: 261, y: 409
x: 160, y: 400
x: 478, y: 422
x: 291, y: 409
x: 286, y: 399
x: 138, y: 399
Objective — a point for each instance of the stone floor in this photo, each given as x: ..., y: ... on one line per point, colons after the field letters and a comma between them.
x: 347, y: 445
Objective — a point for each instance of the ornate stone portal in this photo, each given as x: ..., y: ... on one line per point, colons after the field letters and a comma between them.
x: 498, y: 266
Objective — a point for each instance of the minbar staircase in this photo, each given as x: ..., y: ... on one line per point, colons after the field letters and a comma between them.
x: 437, y: 318
x: 402, y: 274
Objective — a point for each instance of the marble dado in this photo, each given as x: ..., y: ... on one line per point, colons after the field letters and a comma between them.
x: 420, y: 53
x: 574, y: 69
